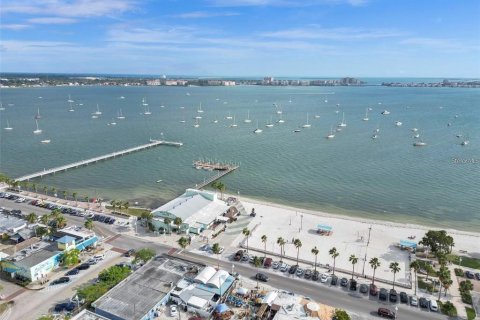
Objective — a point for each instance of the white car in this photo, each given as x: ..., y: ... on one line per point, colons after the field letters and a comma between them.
x: 413, y: 301
x: 324, y: 277
x: 173, y: 311
x: 99, y: 257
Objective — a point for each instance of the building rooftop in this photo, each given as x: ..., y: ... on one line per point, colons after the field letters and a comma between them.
x: 66, y: 239
x: 30, y: 258
x: 140, y: 292
x: 10, y: 223
x: 88, y: 315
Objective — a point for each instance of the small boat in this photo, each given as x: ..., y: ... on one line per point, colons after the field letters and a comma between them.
x: 375, y: 136
x: 456, y: 116
x: 182, y: 121
x: 98, y: 112
x: 459, y: 135
x: 113, y: 123
x: 336, y: 111
x: 162, y: 106
x: 317, y: 116
x: 465, y: 142
x: 307, y: 125
x: 71, y: 106
x: 414, y: 129
x: 158, y: 181
x: 269, y: 124
x: 187, y: 94
x: 2, y: 108
x: 297, y: 130
x: 144, y: 102
x: 199, y: 110
x: 366, y: 115
x: 215, y: 120
x: 377, y: 130
x: 120, y: 116
x: 338, y: 129
x: 8, y: 128
x: 70, y: 99
x: 416, y: 136
x: 258, y: 130
x: 229, y: 117
x: 38, y: 116
x: 343, y: 124
x: 281, y: 119
x: 94, y: 116
x: 198, y: 117
x: 398, y: 123
x: 331, y: 135
x: 419, y: 144
x: 248, y: 120
x: 449, y: 124
x: 38, y: 130
x: 234, y: 124
x: 46, y: 141
x: 385, y: 112
x: 196, y: 125
x: 122, y: 97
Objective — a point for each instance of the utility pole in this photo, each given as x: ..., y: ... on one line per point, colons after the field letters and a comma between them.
x: 366, y: 247
x: 301, y: 222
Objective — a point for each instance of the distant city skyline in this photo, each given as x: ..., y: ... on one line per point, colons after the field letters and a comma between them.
x: 282, y: 38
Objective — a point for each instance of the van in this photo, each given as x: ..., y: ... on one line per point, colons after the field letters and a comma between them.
x: 267, y: 263
x: 433, y: 305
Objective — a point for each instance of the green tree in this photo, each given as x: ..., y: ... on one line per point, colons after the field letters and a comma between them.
x: 177, y: 222
x: 55, y: 213
x: 54, y: 191
x: 183, y: 242
x: 74, y: 196
x: 45, y: 190
x: 443, y: 275
x: 86, y: 198
x: 257, y: 262
x: 216, y: 250
x: 168, y: 222
x: 315, y: 252
x: 42, y: 231
x: 247, y: 234
x: 298, y: 244
x: 220, y: 187
x: 120, y: 205
x: 353, y: 260
x: 147, y: 216
x: 281, y: 244
x: 31, y: 218
x: 61, y: 222
x: 47, y: 317
x: 44, y: 219
x: 113, y: 203
x: 334, y: 254
x: 374, y: 263
x: 416, y: 267
x: 264, y: 241
x: 340, y: 315
x: 89, y: 224
x: 446, y: 285
x: 64, y: 193
x: 34, y: 187
x: 114, y: 275
x: 394, y: 267
x: 126, y: 205
x: 70, y: 257
x: 144, y: 255
x: 438, y: 241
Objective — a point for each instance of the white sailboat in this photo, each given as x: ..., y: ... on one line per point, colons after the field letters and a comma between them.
x: 38, y: 130
x: 215, y: 120
x: 343, y: 124
x: 200, y: 108
x: 258, y: 130
x: 281, y: 119
x: 122, y: 97
x: 331, y: 135
x: 71, y: 106
x: 113, y: 123
x: 8, y: 127
x: 385, y: 112
x: 70, y: 99
x: 366, y: 115
x: 234, y: 124
x: 248, y: 120
x: 196, y: 125
x: 269, y: 124
x: 38, y: 116
x: 419, y: 144
x: 398, y: 123
x: 98, y: 112
x: 307, y: 125
x: 2, y: 108
x: 46, y: 141
x: 229, y: 117
x: 120, y: 115
x: 317, y: 116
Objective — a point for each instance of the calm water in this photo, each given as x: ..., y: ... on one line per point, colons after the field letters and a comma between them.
x: 386, y: 178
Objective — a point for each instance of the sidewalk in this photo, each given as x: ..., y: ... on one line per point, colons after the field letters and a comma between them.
x: 455, y: 297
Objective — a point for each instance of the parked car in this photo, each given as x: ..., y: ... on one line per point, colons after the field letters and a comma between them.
x: 238, y: 256
x: 60, y: 280
x: 267, y: 263
x: 129, y: 253
x: 261, y: 276
x: 245, y: 257
x: 284, y: 267
x: 315, y: 275
x: 383, y: 294
x: 403, y: 297
x: 300, y: 272
x: 433, y: 305
x: 393, y: 296
x: 469, y: 274
x: 83, y: 266
x: 477, y: 275
x: 344, y: 282
x: 293, y: 269
x: 64, y: 306
x: 386, y: 313
x: 413, y: 301
x: 423, y: 302
x: 173, y: 311
x: 308, y: 274
x: 334, y: 280
x: 364, y: 288
x: 353, y: 285
x: 72, y: 272
x: 91, y: 261
x: 373, y: 289
x: 324, y: 277
x: 275, y: 265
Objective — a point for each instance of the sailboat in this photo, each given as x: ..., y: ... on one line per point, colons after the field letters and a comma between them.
x: 279, y: 111
x: 46, y: 141
x: 234, y: 124
x: 71, y: 106
x: 98, y: 112
x: 366, y: 115
x: 70, y: 99
x: 385, y: 112
x: 122, y: 97
x: 229, y: 117
x: 269, y: 124
x: 307, y: 125
x: 343, y: 123
x: 120, y: 116
x: 248, y: 120
x: 258, y: 130
x: 398, y: 123
x: 281, y: 119
x: 38, y: 116
x: 1, y: 107
x: 38, y: 130
x: 113, y: 123
x: 196, y: 125
x: 215, y: 120
x: 419, y: 144
x: 200, y: 109
x: 331, y: 135
x: 8, y: 128
x: 465, y: 142
x: 317, y: 116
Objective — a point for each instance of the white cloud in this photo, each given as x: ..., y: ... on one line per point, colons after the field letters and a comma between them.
x: 14, y: 27
x: 204, y: 14
x: 339, y: 34
x: 448, y: 45
x: 52, y: 20
x: 283, y: 3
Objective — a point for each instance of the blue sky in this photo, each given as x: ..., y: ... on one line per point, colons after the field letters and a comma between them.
x: 361, y: 38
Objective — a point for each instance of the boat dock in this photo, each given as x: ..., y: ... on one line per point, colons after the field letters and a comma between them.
x: 153, y: 143
x: 222, y: 168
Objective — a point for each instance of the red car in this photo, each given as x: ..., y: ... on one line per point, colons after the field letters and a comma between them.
x: 386, y: 313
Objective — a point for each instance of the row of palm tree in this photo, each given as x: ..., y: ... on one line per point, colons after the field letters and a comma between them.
x: 119, y: 204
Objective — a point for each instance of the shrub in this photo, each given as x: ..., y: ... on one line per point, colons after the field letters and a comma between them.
x: 448, y: 308
x: 341, y: 315
x: 470, y: 313
x: 466, y: 297
x: 459, y: 272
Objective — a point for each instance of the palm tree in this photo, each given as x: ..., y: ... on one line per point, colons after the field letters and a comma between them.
x: 446, y: 285
x: 44, y: 219
x: 85, y: 198
x: 443, y: 276
x: 216, y: 250
x: 264, y: 240
x: 119, y: 205
x: 281, y: 243
x: 70, y: 257
x: 61, y: 222
x: 55, y: 213
x: 178, y: 222
x: 353, y: 260
x: 395, y: 268
x: 146, y: 215
x: 126, y: 204
x: 246, y: 233
x: 74, y: 196
x: 315, y: 253
x: 54, y: 191
x: 257, y: 262
x: 298, y: 244
x: 183, y: 242
x: 168, y: 222
x: 334, y: 254
x: 31, y: 218
x: 374, y: 263
x: 416, y: 267
x: 64, y: 193
x: 89, y: 224
x: 113, y: 203
x: 219, y: 186
x: 45, y: 190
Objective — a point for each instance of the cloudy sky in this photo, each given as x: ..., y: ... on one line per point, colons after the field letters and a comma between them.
x: 408, y: 38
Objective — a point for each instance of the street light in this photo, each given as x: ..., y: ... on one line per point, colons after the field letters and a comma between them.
x: 396, y: 311
x: 301, y: 222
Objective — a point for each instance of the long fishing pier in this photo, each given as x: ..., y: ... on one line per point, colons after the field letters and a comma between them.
x: 223, y: 169
x: 153, y: 143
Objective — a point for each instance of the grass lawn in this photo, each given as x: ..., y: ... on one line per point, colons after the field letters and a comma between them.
x: 470, y: 313
x: 137, y: 212
x: 466, y: 261
x: 427, y: 267
x: 426, y: 285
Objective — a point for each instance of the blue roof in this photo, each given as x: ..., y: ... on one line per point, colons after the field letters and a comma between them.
x: 221, y: 308
x: 406, y: 243
x: 225, y: 285
x: 324, y: 227
x: 66, y: 239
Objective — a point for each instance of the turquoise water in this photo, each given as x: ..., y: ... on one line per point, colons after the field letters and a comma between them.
x: 386, y: 178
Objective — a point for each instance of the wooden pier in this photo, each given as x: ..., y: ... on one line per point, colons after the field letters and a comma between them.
x: 153, y: 143
x: 222, y: 168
